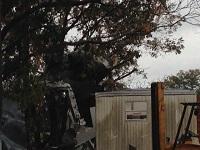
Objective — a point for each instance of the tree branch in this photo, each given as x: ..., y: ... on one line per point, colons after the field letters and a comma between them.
x: 129, y: 73
x: 17, y: 19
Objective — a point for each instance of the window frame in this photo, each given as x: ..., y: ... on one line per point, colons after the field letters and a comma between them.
x: 136, y: 112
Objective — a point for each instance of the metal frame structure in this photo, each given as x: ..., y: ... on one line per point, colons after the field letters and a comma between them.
x: 185, y: 135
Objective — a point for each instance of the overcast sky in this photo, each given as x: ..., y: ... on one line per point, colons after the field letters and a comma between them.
x: 170, y: 64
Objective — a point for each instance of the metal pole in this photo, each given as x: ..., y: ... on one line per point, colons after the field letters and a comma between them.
x: 189, y: 121
x: 179, y: 127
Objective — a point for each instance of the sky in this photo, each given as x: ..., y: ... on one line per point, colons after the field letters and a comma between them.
x: 157, y: 69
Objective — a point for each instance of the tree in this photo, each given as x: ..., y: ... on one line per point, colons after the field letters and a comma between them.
x: 185, y: 80
x: 115, y: 30
x: 38, y: 34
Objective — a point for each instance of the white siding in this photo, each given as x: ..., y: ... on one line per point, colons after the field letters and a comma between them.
x: 114, y: 132
x: 173, y: 112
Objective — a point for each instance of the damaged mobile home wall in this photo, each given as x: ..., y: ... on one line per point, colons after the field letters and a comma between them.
x: 123, y: 119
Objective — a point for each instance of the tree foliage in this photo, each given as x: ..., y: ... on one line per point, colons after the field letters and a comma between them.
x: 185, y: 80
x: 36, y: 33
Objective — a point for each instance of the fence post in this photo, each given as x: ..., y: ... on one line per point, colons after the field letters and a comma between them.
x: 198, y: 118
x: 158, y: 115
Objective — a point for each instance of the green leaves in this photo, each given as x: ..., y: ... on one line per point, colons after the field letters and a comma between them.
x: 185, y: 80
